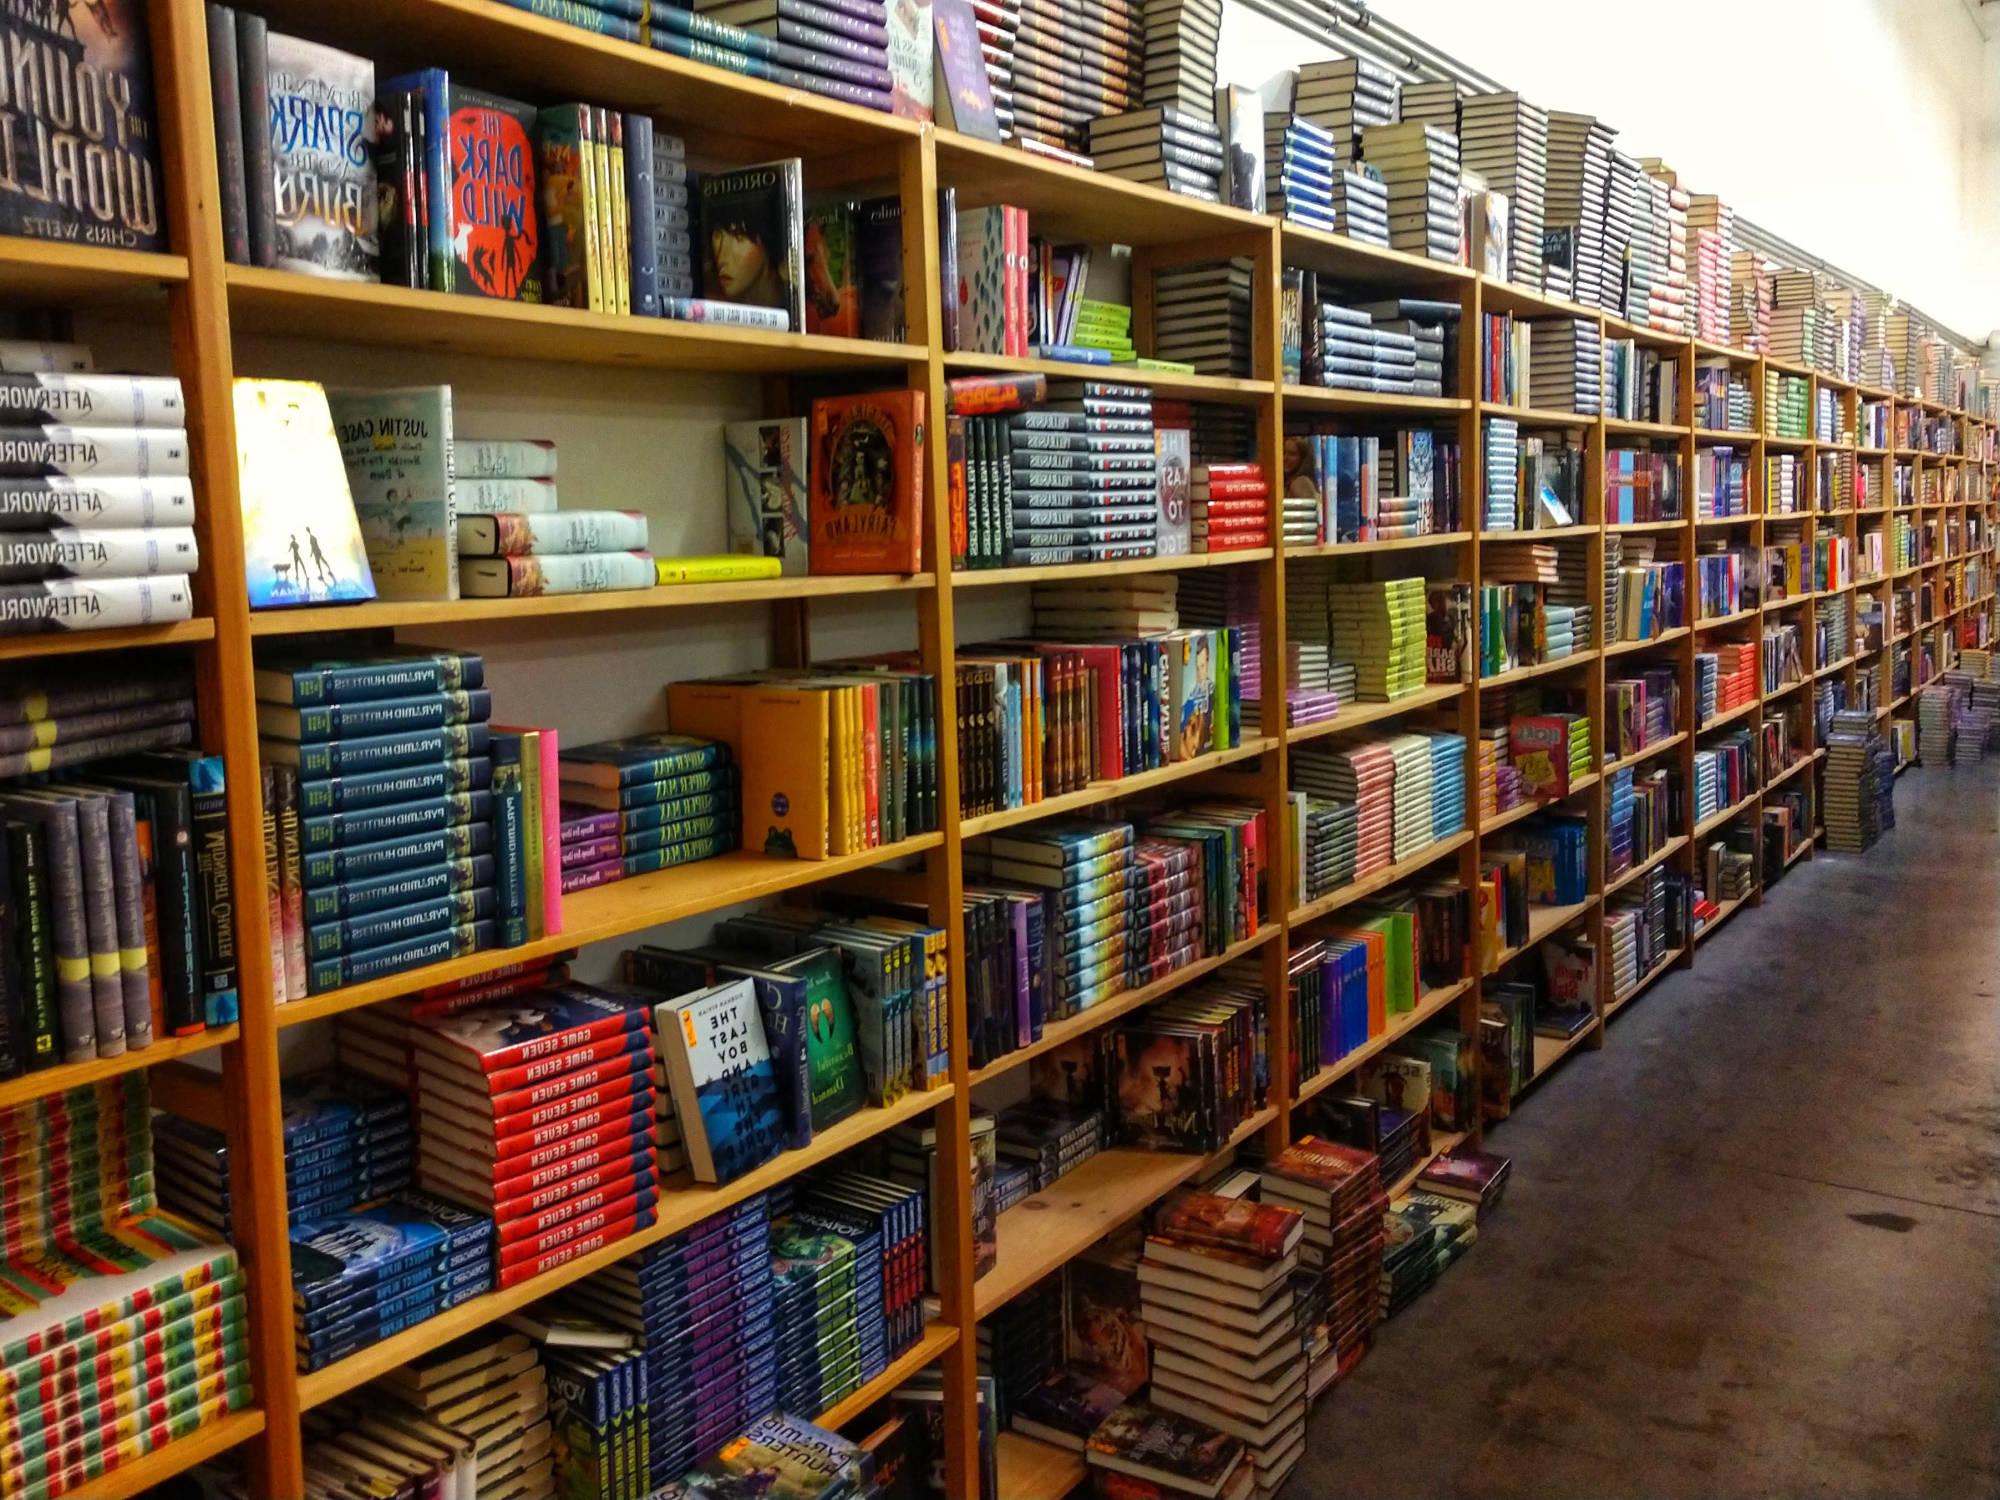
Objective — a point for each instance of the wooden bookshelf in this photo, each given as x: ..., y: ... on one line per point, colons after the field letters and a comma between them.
x: 224, y: 320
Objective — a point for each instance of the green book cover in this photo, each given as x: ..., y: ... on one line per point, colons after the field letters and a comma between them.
x: 833, y: 1059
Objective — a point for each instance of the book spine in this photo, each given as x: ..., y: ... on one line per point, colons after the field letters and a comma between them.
x: 510, y: 851
x: 549, y: 823
x: 291, y: 883
x: 578, y: 573
x: 259, y: 171
x: 17, y: 1050
x: 71, y: 604
x: 108, y: 504
x: 642, y: 211
x: 209, y: 825
x: 731, y: 314
x: 621, y: 210
x: 273, y: 886
x: 228, y: 110
x: 586, y: 15
x: 129, y: 912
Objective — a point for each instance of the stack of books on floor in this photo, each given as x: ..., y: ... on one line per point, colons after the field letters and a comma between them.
x: 1425, y: 1233
x: 1344, y: 97
x: 1104, y: 49
x: 646, y: 803
x: 1361, y: 204
x: 1201, y: 317
x: 346, y: 1140
x: 1215, y: 1287
x: 101, y: 506
x: 1229, y: 507
x: 1299, y: 172
x: 1505, y: 140
x: 1340, y: 1191
x: 404, y: 858
x: 1175, y: 148
x: 1143, y: 1449
x: 123, y: 1327
x: 1379, y: 629
x: 1419, y: 163
x: 1181, y: 38
x: 485, y: 1396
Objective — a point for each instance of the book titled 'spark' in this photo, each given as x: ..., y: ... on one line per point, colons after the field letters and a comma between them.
x: 322, y: 158
x: 866, y: 470
x: 301, y: 541
x: 82, y: 163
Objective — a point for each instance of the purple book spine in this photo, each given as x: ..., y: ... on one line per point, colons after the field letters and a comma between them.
x: 849, y: 91
x: 580, y: 824
x: 869, y: 12
x: 863, y: 28
x: 809, y: 48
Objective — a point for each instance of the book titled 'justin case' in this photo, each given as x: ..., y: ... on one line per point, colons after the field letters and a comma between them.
x: 398, y: 451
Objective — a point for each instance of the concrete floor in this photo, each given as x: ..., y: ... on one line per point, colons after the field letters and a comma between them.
x: 1751, y: 1247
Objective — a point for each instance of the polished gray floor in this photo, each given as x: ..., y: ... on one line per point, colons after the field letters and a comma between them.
x: 1751, y: 1247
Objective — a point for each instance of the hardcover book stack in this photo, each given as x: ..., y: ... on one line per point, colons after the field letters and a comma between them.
x: 999, y: 27
x: 532, y: 548
x: 827, y: 1342
x: 1670, y: 308
x: 1229, y: 507
x: 99, y: 514
x: 1201, y: 316
x: 1299, y: 171
x: 1177, y: 147
x: 1504, y: 139
x: 1148, y: 1450
x: 646, y: 803
x: 1215, y: 1286
x: 1579, y: 176
x: 1181, y: 37
x: 1344, y: 97
x: 124, y: 1328
x: 1352, y: 352
x: 1628, y: 233
x: 886, y: 1222
x: 1425, y: 1234
x: 405, y: 853
x: 844, y: 42
x: 363, y: 1273
x: 1432, y: 328
x: 599, y: 1406
x: 1339, y: 1191
x: 1103, y: 47
x: 1568, y: 369
x: 1713, y: 226
x: 572, y: 1070
x: 1379, y: 628
x: 486, y: 1396
x: 1088, y: 871
x: 1857, y: 781
x: 1420, y: 165
x: 1361, y: 203
x: 1364, y: 777
x: 346, y: 1140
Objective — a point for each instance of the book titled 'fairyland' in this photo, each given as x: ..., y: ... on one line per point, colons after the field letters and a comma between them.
x: 301, y: 541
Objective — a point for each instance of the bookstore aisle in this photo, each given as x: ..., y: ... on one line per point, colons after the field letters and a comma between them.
x: 1727, y: 1261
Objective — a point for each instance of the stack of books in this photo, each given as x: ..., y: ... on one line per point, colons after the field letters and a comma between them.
x: 1432, y: 101
x: 1299, y: 171
x: 1627, y: 239
x: 1379, y: 628
x: 1447, y: 784
x: 847, y: 45
x: 105, y: 499
x: 1179, y: 1036
x: 1713, y: 226
x: 1579, y: 173
x: 519, y: 552
x: 346, y: 1140
x: 489, y: 1392
x: 1361, y: 204
x: 1432, y: 326
x: 647, y: 803
x: 1175, y: 147
x: 402, y: 860
x: 574, y: 1060
x: 1425, y: 1234
x: 1501, y: 454
x: 1505, y: 140
x: 1145, y: 1449
x: 1328, y: 842
x: 1420, y: 165
x: 825, y: 1345
x: 1102, y: 326
x: 1363, y: 775
x: 1414, y: 828
x: 1215, y: 1286
x: 1078, y: 863
x: 363, y: 1273
x: 999, y: 25
x: 1671, y: 309
x: 1568, y: 371
x: 1229, y: 507
x: 1181, y: 39
x: 1072, y: 64
x: 1344, y: 97
x: 1339, y: 1189
x: 1355, y: 353
x: 1201, y: 316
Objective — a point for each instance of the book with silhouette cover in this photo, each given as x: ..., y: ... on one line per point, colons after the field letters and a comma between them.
x: 301, y: 540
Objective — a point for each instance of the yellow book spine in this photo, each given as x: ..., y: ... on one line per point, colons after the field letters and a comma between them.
x: 714, y: 569
x: 593, y: 243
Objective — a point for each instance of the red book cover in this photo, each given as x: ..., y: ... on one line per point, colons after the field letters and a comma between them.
x: 867, y: 476
x: 1230, y: 489
x: 580, y: 1212
x: 954, y: 455
x: 987, y: 395
x: 547, y: 1023
x: 1261, y: 1229
x: 631, y: 1091
x: 1231, y: 471
x: 578, y: 1235
x: 605, y: 1154
x: 548, y: 1092
x: 602, y: 1049
x: 512, y: 1273
x: 512, y: 1155
x: 495, y: 984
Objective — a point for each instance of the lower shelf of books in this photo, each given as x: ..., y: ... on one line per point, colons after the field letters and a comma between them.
x: 1051, y: 1228
x: 1030, y: 1470
x: 1429, y: 1004
x: 177, y: 1457
x: 1643, y: 982
x: 1723, y: 912
x: 78, y: 1075
x: 1550, y: 1050
x: 926, y: 1351
x: 682, y: 1205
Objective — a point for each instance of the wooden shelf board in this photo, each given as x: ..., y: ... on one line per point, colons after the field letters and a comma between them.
x: 282, y: 303
x: 682, y: 1203
x: 1723, y: 912
x: 618, y: 910
x: 1164, y: 383
x: 1076, y: 203
x: 1742, y: 710
x: 1643, y: 526
x: 1373, y: 403
x: 1538, y: 534
x: 1641, y: 333
x: 1715, y: 820
x: 1056, y: 1033
x: 1110, y: 791
x: 526, y: 57
x: 1724, y: 435
x: 1388, y: 544
x: 1788, y: 773
x: 1429, y: 1004
x: 1544, y: 922
x: 1785, y: 690
x: 1046, y: 1231
x: 1361, y: 263
x: 1441, y: 1142
x: 1629, y: 427
x: 1507, y: 296
x: 1529, y: 416
x: 1379, y: 880
x: 1623, y: 648
x: 1354, y: 715
x: 1539, y: 669
x: 1805, y: 847
x: 1640, y: 985
x: 68, y: 274
x: 1031, y: 1470
x: 47, y: 1081
x: 936, y: 1341
x: 1742, y: 520
x: 1659, y: 856
x: 143, y: 1473
x: 1834, y: 666
x: 1645, y: 754
x: 1550, y: 1050
x: 1520, y: 810
x: 1786, y: 444
x: 76, y: 642
x: 400, y: 614
x: 971, y: 578
x: 1718, y: 622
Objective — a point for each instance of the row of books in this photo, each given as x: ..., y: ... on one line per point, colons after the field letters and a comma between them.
x: 1346, y: 487
x: 118, y: 930
x: 1361, y: 807
x: 1645, y: 596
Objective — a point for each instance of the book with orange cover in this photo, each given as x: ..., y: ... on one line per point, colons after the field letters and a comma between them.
x: 867, y: 477
x: 787, y: 744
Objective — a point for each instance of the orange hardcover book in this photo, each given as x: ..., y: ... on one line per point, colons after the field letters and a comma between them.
x: 785, y: 758
x: 867, y: 476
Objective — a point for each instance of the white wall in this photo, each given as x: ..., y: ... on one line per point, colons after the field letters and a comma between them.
x: 1865, y: 131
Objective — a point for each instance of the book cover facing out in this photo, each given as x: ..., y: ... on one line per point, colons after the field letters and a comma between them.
x: 323, y: 158
x: 495, y: 229
x: 766, y: 464
x: 866, y: 473
x: 301, y: 541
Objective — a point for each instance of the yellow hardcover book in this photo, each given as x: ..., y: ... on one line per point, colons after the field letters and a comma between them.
x: 606, y: 227
x: 620, y: 289
x: 710, y: 711
x: 593, y: 196
x: 786, y: 740
x: 857, y: 712
x: 722, y: 569
x: 846, y: 814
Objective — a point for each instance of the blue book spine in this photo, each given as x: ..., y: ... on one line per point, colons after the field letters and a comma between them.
x: 781, y: 1000
x: 395, y: 958
x: 384, y: 788
x: 397, y: 925
x: 372, y: 825
x: 645, y: 229
x: 1075, y: 354
x: 510, y: 853
x: 359, y: 682
x: 425, y: 883
x: 389, y: 752
x: 604, y: 17
x: 355, y: 861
